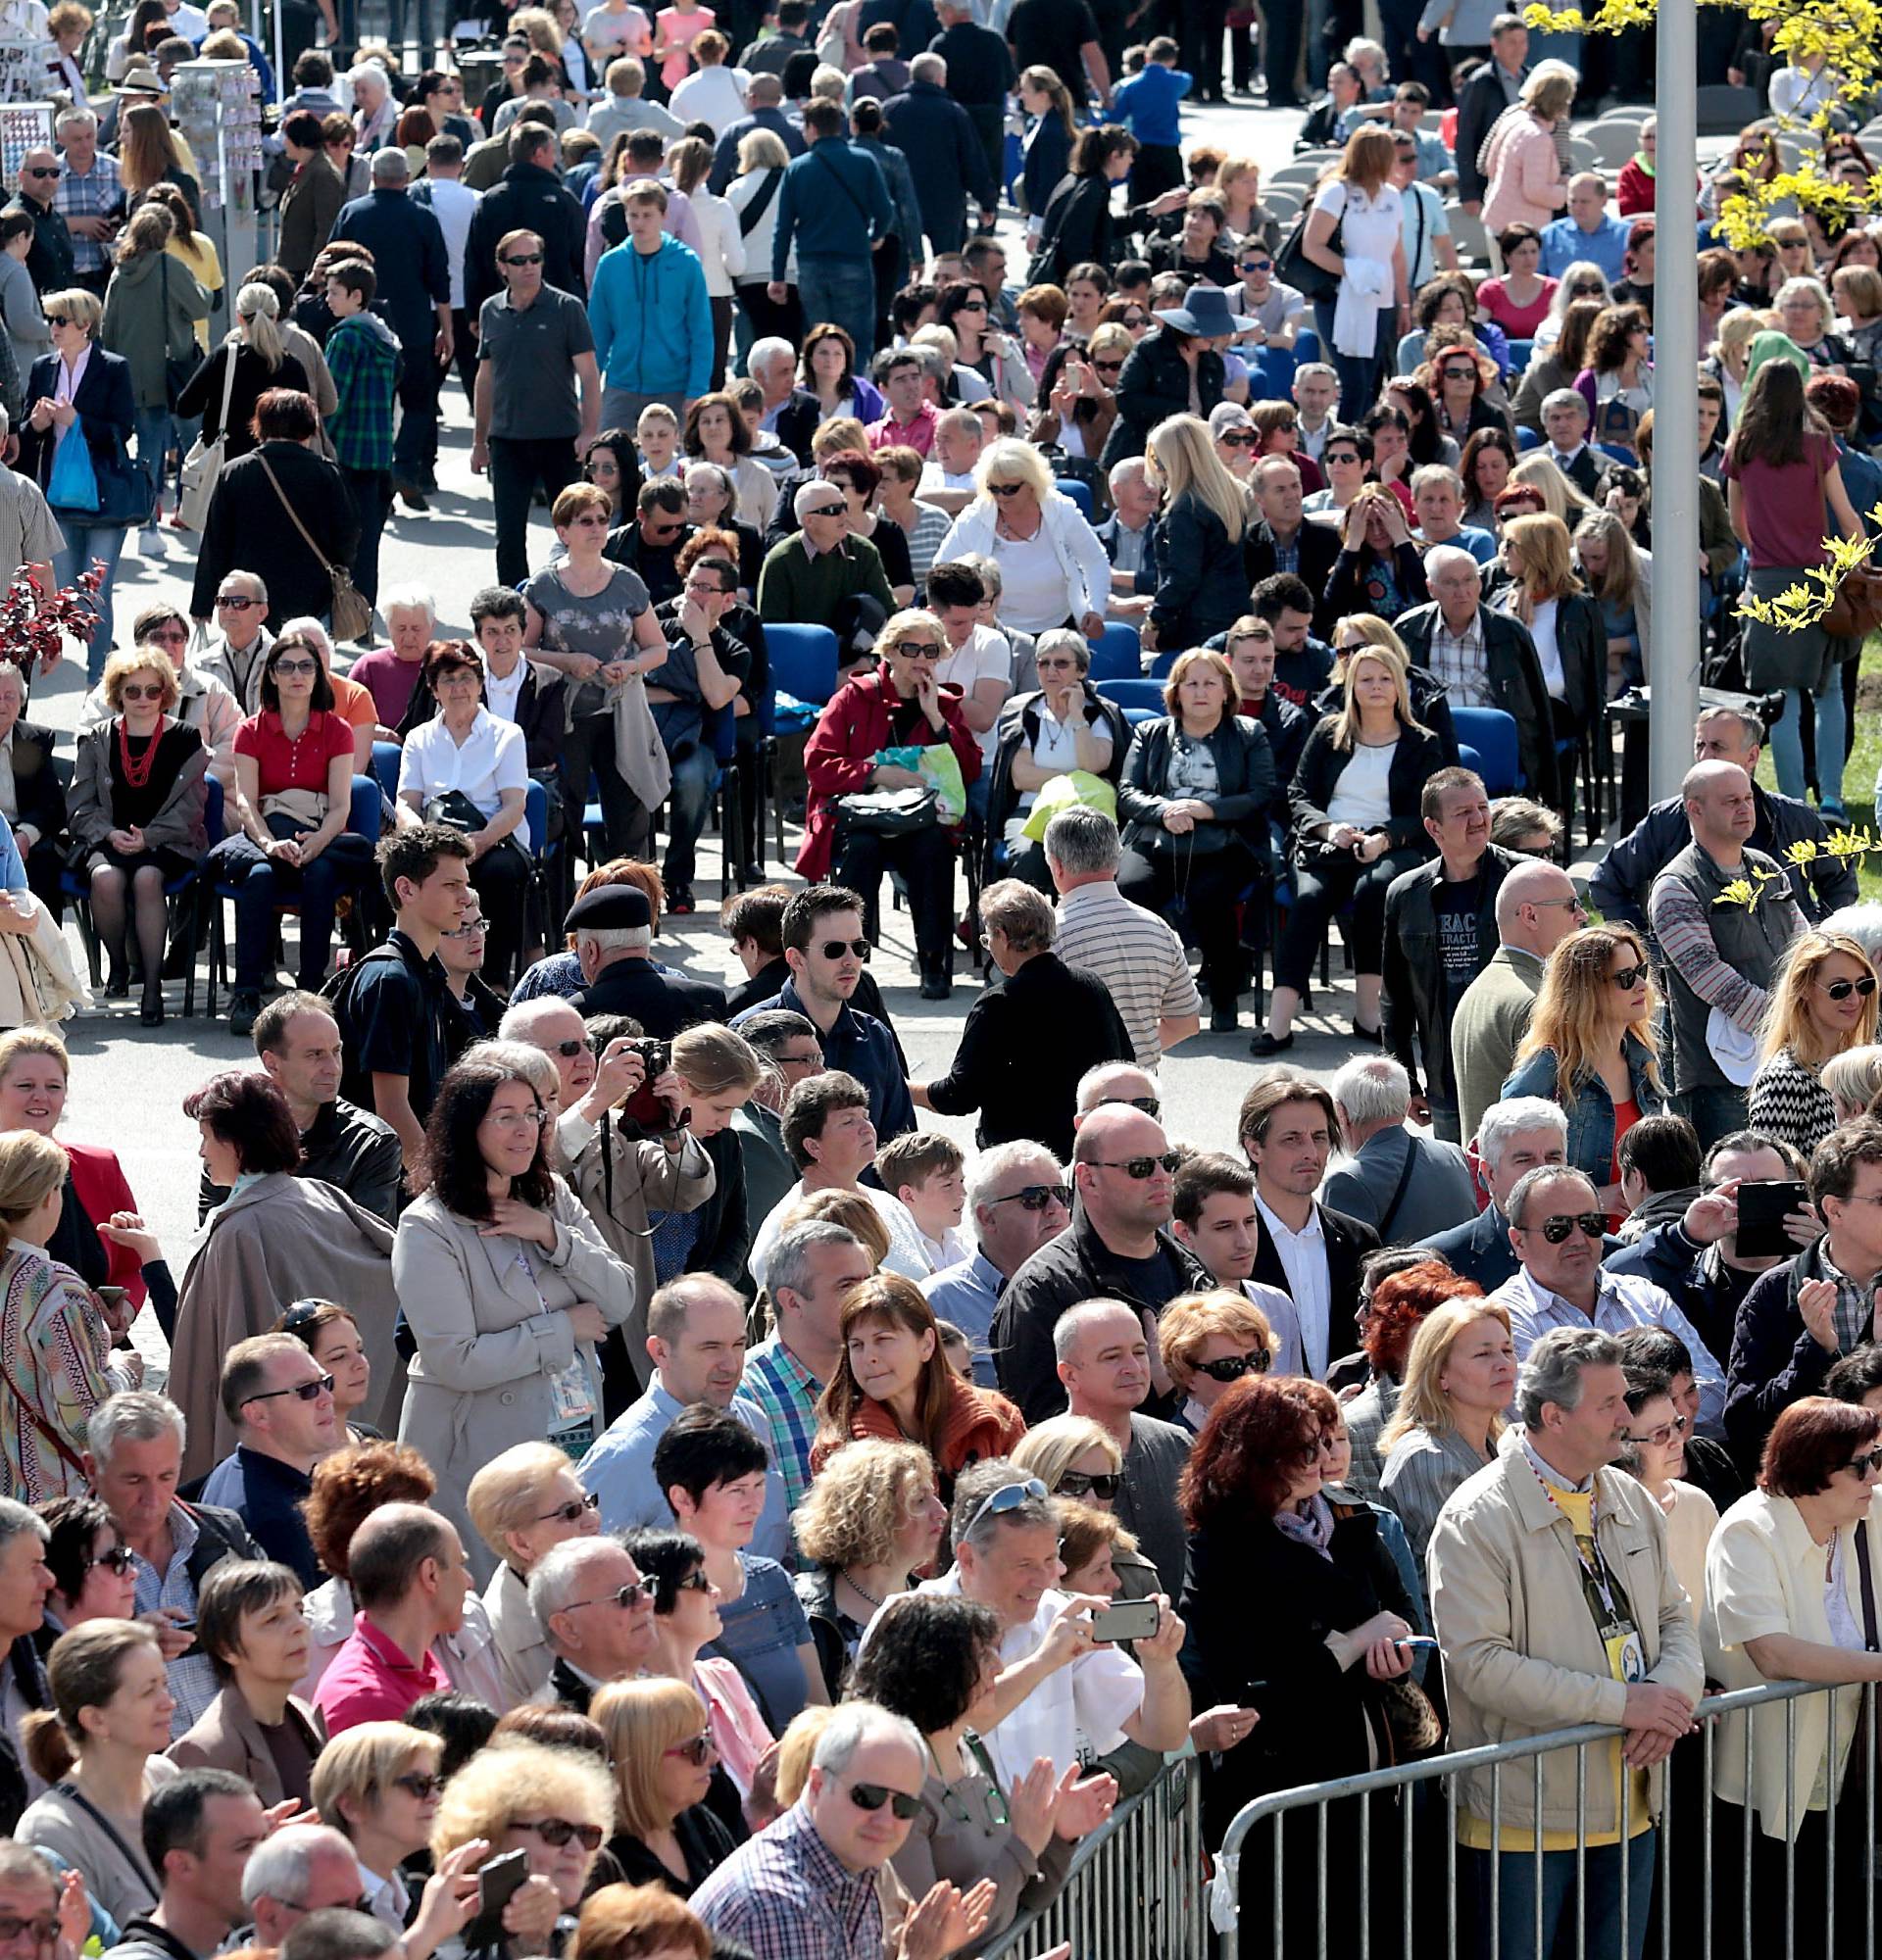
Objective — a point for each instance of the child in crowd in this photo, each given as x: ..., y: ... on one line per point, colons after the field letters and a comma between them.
x: 657, y: 437
x: 928, y: 1174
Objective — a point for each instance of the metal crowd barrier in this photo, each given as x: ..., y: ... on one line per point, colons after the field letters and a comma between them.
x: 1671, y: 1928
x: 1135, y: 1890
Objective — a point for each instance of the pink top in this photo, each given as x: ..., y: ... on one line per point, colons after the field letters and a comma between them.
x: 1526, y: 185
x: 740, y: 1734
x: 1518, y: 323
x: 370, y: 1680
x: 676, y: 23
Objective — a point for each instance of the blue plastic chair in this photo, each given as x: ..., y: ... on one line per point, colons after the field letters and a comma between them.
x: 1079, y: 493
x: 1117, y: 652
x: 1528, y: 439
x: 803, y: 673
x: 1144, y: 696
x: 1520, y: 354
x: 1492, y: 733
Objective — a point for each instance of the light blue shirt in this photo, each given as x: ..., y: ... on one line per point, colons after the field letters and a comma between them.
x: 966, y: 1295
x: 619, y: 1469
x: 1563, y: 241
x: 13, y: 871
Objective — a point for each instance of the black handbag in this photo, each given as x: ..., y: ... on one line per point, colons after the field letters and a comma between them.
x: 888, y: 813
x: 180, y: 369
x: 1293, y: 267
x: 456, y: 811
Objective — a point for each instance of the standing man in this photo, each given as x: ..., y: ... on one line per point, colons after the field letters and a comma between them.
x: 943, y: 152
x: 1213, y: 1215
x: 1440, y: 934
x: 1556, y: 1603
x: 363, y: 357
x: 980, y: 76
x: 832, y: 206
x: 535, y: 350
x: 1514, y: 1136
x: 454, y: 204
x: 531, y: 197
x: 50, y: 259
x: 1719, y: 960
x: 414, y: 286
x: 32, y: 798
x: 1061, y: 36
x: 1537, y: 908
x: 1494, y: 87
x: 764, y: 110
x: 1401, y: 1183
x: 650, y: 314
x: 90, y: 197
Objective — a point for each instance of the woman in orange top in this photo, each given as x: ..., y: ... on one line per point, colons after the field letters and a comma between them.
x: 894, y: 1382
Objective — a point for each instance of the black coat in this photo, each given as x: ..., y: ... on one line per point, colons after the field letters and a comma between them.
x: 1245, y: 777
x: 39, y: 797
x: 49, y: 258
x: 1420, y: 754
x: 201, y: 395
x: 1044, y: 163
x: 1478, y: 1249
x: 723, y: 1242
x: 529, y: 199
x: 946, y: 157
x: 1775, y: 1359
x: 1018, y: 729
x: 1154, y: 386
x: 1346, y: 586
x: 1480, y: 101
x: 1077, y: 225
x: 1201, y: 575
x: 1287, y: 729
x: 411, y: 261
x: 1348, y: 1241
x: 247, y: 528
x: 662, y: 1003
x: 106, y: 405
x: 1319, y: 546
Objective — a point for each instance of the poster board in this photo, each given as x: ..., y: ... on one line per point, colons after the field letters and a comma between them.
x: 24, y: 70
x: 24, y: 126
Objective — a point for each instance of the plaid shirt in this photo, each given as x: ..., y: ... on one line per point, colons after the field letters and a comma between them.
x: 363, y: 357
x: 784, y: 1896
x: 787, y: 1393
x: 1458, y: 661
x: 1854, y: 1303
x: 99, y: 193
x: 192, y: 1680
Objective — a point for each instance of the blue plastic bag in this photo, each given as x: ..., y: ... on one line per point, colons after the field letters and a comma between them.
x: 75, y: 483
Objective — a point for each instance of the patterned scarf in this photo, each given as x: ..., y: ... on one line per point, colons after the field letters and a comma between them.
x: 1310, y: 1526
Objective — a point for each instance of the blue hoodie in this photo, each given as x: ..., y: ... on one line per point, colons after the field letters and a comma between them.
x: 1146, y: 104
x: 652, y: 320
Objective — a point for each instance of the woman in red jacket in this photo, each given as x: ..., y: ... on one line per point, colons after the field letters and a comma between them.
x: 896, y: 706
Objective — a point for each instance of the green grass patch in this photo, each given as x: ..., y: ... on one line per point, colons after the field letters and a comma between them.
x: 1859, y: 772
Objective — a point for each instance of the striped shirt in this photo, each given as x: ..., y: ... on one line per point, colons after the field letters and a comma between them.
x: 784, y: 1896
x: 1422, y: 1470
x: 99, y: 193
x: 1679, y: 923
x: 1135, y: 954
x: 787, y: 1393
x: 1456, y: 659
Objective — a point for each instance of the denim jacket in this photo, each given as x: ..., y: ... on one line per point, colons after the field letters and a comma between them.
x: 1591, y: 1113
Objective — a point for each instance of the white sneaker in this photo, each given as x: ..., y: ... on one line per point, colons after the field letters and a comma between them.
x: 150, y: 542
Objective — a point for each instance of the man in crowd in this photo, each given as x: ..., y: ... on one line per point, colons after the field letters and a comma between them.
x: 1129, y: 534
x: 652, y: 318
x: 1586, y: 233
x: 1213, y: 1216
x: 789, y: 1043
x: 1104, y: 1360
x: 409, y: 1576
x: 32, y: 798
x: 362, y: 355
x: 1558, y: 1230
x: 1537, y: 908
x: 1117, y: 1246
x: 1136, y: 953
x: 1719, y: 959
x: 596, y: 1614
x: 26, y: 1584
x: 1565, y: 421
x: 945, y: 154
x: 89, y: 196
x: 1492, y: 89
x: 1283, y: 541
x: 1556, y: 1602
x: 50, y: 260
x: 1440, y: 934
x: 529, y: 197
x: 280, y: 1401
x: 948, y: 480
x: 1627, y: 869
x: 1250, y: 647
x: 1659, y: 1175
x: 454, y: 204
x: 980, y: 76
x: 235, y: 650
x: 199, y: 1830
x: 764, y: 110
x: 1437, y: 498
x: 1018, y: 1200
x: 833, y: 206
x: 134, y: 1456
x: 809, y: 575
x: 1514, y: 1138
x: 612, y: 928
x: 1403, y: 1185
x: 296, y: 1871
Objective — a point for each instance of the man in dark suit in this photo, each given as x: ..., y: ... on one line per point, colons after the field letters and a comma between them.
x: 1565, y: 419
x: 1484, y: 97
x: 1287, y: 1129
x: 614, y: 930
x: 945, y: 154
x: 1129, y: 534
x: 1284, y: 540
x: 529, y: 197
x: 591, y: 1648
x: 32, y: 798
x: 1514, y: 1137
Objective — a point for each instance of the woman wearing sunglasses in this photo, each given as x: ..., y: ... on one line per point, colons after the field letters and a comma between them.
x: 1590, y: 1046
x: 662, y: 1754
x: 1074, y: 1457
x: 252, y: 1625
x: 93, y: 1575
x: 1209, y: 1342
x: 1823, y: 1004
x: 1656, y: 1459
x: 377, y: 1785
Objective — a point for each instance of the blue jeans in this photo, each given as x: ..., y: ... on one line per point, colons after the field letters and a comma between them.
x: 1787, y: 741
x: 155, y: 430
x: 1359, y: 377
x: 85, y: 541
x: 841, y: 291
x: 689, y: 804
x: 264, y: 885
x: 1713, y: 1111
x: 1515, y: 1939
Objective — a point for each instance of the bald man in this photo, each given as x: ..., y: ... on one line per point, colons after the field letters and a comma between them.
x: 1719, y: 959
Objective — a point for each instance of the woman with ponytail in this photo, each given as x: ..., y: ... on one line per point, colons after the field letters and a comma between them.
x: 262, y: 362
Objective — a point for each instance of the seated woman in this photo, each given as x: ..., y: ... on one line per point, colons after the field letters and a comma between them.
x: 138, y: 790
x: 829, y: 371
x: 1459, y: 375
x: 1618, y: 383
x: 250, y: 1623
x: 1822, y: 1005
x: 856, y: 474
x: 1590, y: 1046
x: 377, y: 1785
x: 1618, y: 576
x: 468, y: 769
x: 870, y: 1521
x: 631, y: 1921
x: 1062, y: 725
x: 663, y: 1757
x: 716, y: 433
x: 712, y: 499
x: 1519, y: 300
x: 290, y: 844
x: 898, y: 704
x: 1193, y: 803
x: 1202, y: 583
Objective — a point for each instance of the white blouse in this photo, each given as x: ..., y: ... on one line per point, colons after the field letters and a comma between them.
x: 1363, y: 794
x: 492, y: 759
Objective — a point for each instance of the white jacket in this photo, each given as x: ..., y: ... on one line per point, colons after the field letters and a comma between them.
x: 1077, y: 547
x: 723, y: 257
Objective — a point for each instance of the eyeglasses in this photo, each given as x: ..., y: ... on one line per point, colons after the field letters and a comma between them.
x: 1869, y: 1464
x: 306, y: 1392
x: 131, y: 690
x: 1238, y: 438
x: 1109, y: 366
x: 41, y: 170
x: 296, y: 668
x: 1232, y: 1368
x: 827, y: 510
x: 972, y: 305
x: 524, y: 259
x: 1036, y: 1196
x: 1573, y: 904
x: 1339, y: 456
x: 1589, y: 1224
x: 517, y: 1120
x: 1006, y: 489
x: 569, y: 1048
x: 1586, y: 290
x: 419, y: 1784
x: 700, y: 1581
x: 812, y: 1062
x: 918, y: 649
x: 698, y: 588
x: 1009, y: 1498
x: 1057, y: 663
x: 556, y: 1832
x: 627, y: 1597
x: 176, y: 636
x: 671, y: 528
x: 1630, y: 977
x: 235, y: 601
x: 1258, y: 264
x: 1459, y: 371
x: 573, y: 1512
x: 1136, y: 320
x: 1149, y: 1105
x: 699, y: 1751
x: 1841, y: 990
x: 471, y: 929
x: 1660, y: 1438
x: 44, y: 1931
x: 1139, y: 1167
x: 1105, y: 1484
x: 873, y: 1795
x: 119, y: 1560
x: 57, y: 319
x: 836, y: 948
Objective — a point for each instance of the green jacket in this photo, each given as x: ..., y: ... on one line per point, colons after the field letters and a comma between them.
x: 151, y: 310
x: 794, y: 587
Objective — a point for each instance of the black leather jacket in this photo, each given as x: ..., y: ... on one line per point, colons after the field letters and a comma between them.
x: 1245, y: 779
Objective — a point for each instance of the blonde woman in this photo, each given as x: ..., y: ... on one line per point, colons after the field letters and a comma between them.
x: 1202, y: 585
x: 661, y: 1754
x: 377, y: 1785
x: 1356, y: 825
x: 761, y: 161
x: 1590, y: 1047
x: 1619, y: 576
x: 1459, y: 1378
x: 1521, y: 166
x: 1559, y: 497
x: 260, y: 362
x: 1359, y: 326
x: 1566, y: 624
x: 1825, y: 1004
x: 1076, y: 1459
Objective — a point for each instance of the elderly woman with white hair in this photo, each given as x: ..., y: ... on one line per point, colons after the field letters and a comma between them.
x: 1053, y: 568
x: 1805, y: 311
x: 391, y: 673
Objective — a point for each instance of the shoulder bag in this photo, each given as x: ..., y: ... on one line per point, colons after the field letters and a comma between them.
x: 1292, y: 266
x: 750, y: 217
x: 352, y: 613
x: 203, y: 466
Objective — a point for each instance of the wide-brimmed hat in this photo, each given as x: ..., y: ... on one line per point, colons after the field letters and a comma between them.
x: 1205, y: 313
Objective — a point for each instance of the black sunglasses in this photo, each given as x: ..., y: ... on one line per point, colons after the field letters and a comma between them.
x: 696, y: 1749
x: 1841, y: 990
x: 556, y: 1832
x: 119, y: 1559
x: 235, y: 601
x: 421, y: 1784
x: 873, y: 1795
x: 307, y: 1392
x: 569, y: 1048
x: 1105, y: 1484
x: 1870, y: 1463
x: 524, y: 259
x: 1590, y: 1225
x: 1630, y: 977
x: 573, y: 1512
x: 1232, y: 1368
x: 1140, y: 1167
x: 1006, y: 489
x: 836, y: 948
x: 1035, y: 1197
x: 699, y: 1581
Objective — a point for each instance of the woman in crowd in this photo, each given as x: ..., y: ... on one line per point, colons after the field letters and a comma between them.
x: 508, y: 1289
x: 722, y: 257
x: 1079, y: 1463
x: 1488, y: 460
x: 856, y: 474
x: 1853, y: 1079
x: 1559, y: 364
x: 24, y: 322
x: 661, y: 1754
x: 1445, y: 316
x: 935, y: 1661
x: 139, y: 794
x: 1193, y: 801
x: 761, y: 161
x: 1656, y: 1457
x: 57, y: 1333
x: 522, y: 1502
x: 922, y: 526
x: 870, y: 1521
x: 718, y: 1072
x: 1360, y: 325
x: 633, y: 1922
x: 1619, y: 576
x: 100, y: 1746
x: 1459, y: 1379
x: 1781, y: 468
x: 1785, y: 1601
x: 1591, y: 1047
x: 81, y: 383
x: 1211, y: 1341
x: 330, y: 1333
x: 147, y: 155
x: 1822, y: 1005
x: 377, y: 1785
x: 290, y: 844
x: 1094, y: 1548
x: 1526, y: 185
x: 892, y: 1381
x: 899, y: 702
x: 711, y: 504
x: 1281, y: 1592
x: 249, y: 1622
x: 1046, y: 152
x: 254, y: 351
x: 1053, y: 568
x: 1042, y: 311
x: 1582, y: 280
x: 1519, y: 300
x: 995, y: 359
x: 828, y: 371
x: 686, y: 1619
x: 1618, y: 383
x: 1426, y: 443
x: 1804, y: 311
x: 1176, y: 368
x: 1566, y: 624
x: 1459, y: 378
x: 1355, y: 827
x: 716, y: 432
x: 1400, y: 1287
x: 613, y: 466
x: 1202, y: 583
x: 469, y: 769
x: 94, y: 1574
x: 1555, y: 497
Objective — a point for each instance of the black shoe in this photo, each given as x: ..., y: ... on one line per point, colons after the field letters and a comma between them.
x: 937, y: 978
x: 413, y: 495
x: 117, y: 985
x: 152, y: 1014
x: 680, y: 901
x: 178, y: 959
x: 750, y: 874
x: 1266, y: 1044
x: 1223, y: 1021
x: 242, y: 1009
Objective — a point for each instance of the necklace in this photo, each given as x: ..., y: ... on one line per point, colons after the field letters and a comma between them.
x: 860, y: 1591
x: 136, y: 768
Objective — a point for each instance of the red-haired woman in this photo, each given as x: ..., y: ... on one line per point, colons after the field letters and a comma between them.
x: 1392, y: 1308
x: 1297, y: 1611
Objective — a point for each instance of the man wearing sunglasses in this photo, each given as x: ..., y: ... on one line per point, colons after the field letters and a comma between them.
x: 1559, y: 1233
x: 50, y: 260
x: 596, y: 1613
x: 281, y: 1401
